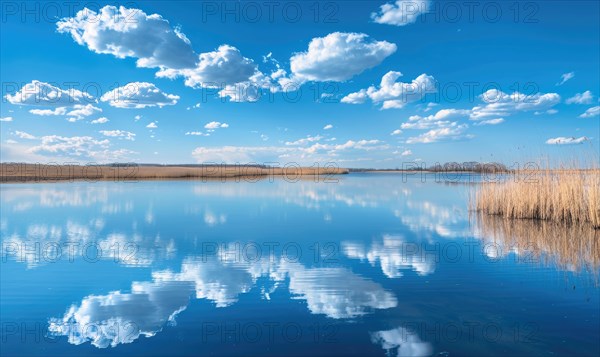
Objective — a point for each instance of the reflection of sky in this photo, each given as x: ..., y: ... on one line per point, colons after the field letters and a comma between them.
x: 117, y: 317
x: 371, y: 219
x: 402, y: 342
x: 393, y: 254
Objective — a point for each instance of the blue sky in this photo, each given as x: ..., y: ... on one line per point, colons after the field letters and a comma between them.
x: 359, y: 83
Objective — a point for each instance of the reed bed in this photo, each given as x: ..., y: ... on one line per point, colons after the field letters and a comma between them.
x: 570, y: 196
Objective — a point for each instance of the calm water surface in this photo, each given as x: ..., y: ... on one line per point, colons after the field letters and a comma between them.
x: 367, y: 266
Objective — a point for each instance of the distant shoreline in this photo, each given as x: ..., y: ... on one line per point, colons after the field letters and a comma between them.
x: 38, y: 173
x: 46, y: 173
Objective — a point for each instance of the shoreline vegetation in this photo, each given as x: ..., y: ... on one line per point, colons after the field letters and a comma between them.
x: 21, y: 172
x: 570, y: 196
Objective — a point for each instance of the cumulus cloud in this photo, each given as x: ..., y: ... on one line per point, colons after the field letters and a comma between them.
x: 102, y: 120
x: 339, y: 56
x: 565, y: 77
x: 6, y: 119
x: 401, y: 13
x: 214, y: 69
x: 139, y: 95
x: 392, y: 93
x: 152, y: 125
x: 124, y: 32
x: 440, y: 119
x: 396, y: 132
x: 77, y: 112
x: 81, y: 111
x: 406, y: 153
x: 215, y: 125
x: 122, y: 134
x: 567, y: 140
x: 45, y: 94
x: 453, y: 131
x: 499, y: 104
x: 356, y: 98
x: 591, y: 112
x: 327, y: 127
x: 581, y: 98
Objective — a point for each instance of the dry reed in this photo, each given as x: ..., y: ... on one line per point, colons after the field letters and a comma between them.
x: 571, y: 196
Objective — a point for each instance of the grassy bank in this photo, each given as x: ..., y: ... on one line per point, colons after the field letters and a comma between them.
x: 571, y: 196
x: 18, y: 172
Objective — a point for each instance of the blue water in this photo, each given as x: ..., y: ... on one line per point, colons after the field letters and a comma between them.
x: 372, y: 265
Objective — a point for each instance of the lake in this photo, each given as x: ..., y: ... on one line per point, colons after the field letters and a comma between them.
x: 371, y: 264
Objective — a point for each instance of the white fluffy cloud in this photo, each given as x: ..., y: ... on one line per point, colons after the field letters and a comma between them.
x: 401, y: 13
x: 139, y: 95
x: 215, y: 125
x: 77, y: 112
x: 440, y: 119
x: 122, y: 134
x: 500, y: 104
x: 453, y: 131
x: 6, y: 119
x: 591, y: 112
x: 102, y: 120
x: 225, y: 66
x: 339, y: 56
x: 327, y: 127
x: 392, y: 93
x: 81, y: 111
x: 46, y: 94
x: 581, y: 98
x: 124, y: 32
x: 567, y: 140
x: 152, y: 125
